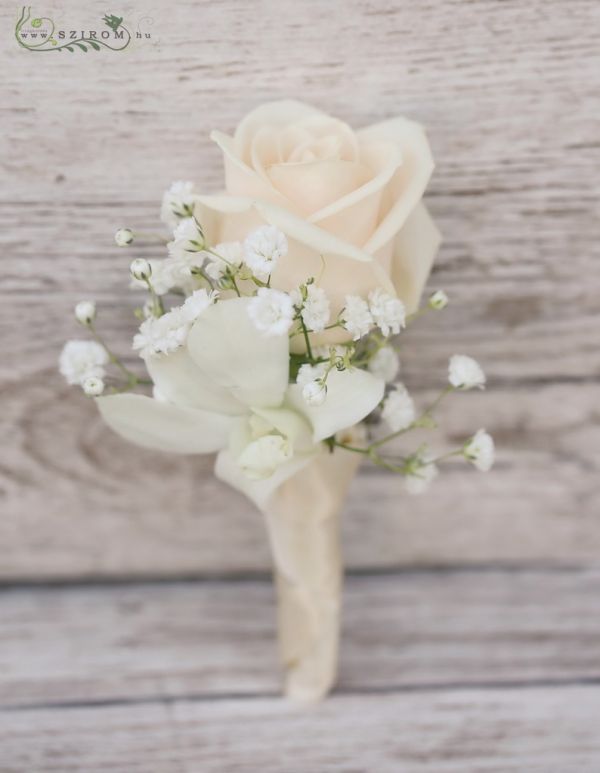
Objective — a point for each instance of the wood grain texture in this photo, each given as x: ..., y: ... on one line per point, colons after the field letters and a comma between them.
x: 543, y: 730
x: 405, y: 631
x: 507, y: 92
x: 98, y: 507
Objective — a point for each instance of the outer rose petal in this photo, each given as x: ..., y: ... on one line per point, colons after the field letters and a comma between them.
x: 414, y: 249
x: 180, y: 381
x: 340, y: 268
x: 408, y: 184
x: 163, y: 426
x: 228, y: 349
x: 351, y: 395
x: 212, y: 212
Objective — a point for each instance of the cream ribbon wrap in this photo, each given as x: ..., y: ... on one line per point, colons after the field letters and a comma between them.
x: 303, y: 521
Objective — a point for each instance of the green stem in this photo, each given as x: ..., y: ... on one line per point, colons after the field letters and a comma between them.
x: 306, y: 339
x: 132, y: 379
x: 150, y: 237
x: 443, y: 457
x: 157, y: 303
x: 347, y: 447
x: 421, y: 422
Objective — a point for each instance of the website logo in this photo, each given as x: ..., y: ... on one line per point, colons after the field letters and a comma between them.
x: 41, y: 33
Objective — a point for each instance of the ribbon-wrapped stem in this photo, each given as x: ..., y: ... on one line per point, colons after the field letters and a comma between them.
x: 303, y: 520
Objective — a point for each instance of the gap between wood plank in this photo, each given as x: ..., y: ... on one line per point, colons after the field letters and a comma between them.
x: 91, y: 581
x: 440, y: 687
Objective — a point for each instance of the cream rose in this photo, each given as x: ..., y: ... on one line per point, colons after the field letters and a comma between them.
x: 348, y: 201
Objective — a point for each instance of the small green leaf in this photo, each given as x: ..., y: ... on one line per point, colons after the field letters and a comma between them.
x: 94, y: 45
x: 69, y: 48
x: 81, y: 46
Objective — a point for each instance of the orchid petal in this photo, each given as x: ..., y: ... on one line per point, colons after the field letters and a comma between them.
x: 179, y: 380
x: 163, y: 426
x: 228, y: 349
x: 351, y: 395
x: 258, y: 491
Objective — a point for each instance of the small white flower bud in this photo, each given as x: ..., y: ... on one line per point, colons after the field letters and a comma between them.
x: 124, y: 237
x: 140, y: 269
x: 465, y: 372
x: 479, y: 450
x: 85, y: 312
x: 314, y: 393
x: 438, y: 300
x: 93, y: 386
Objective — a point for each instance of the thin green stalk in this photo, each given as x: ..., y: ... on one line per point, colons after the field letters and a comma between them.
x: 132, y: 379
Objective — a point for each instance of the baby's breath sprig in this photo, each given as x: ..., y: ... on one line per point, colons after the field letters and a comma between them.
x: 420, y: 467
x: 90, y: 361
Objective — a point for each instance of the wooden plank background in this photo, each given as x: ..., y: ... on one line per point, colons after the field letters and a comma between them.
x: 137, y: 620
x: 508, y: 92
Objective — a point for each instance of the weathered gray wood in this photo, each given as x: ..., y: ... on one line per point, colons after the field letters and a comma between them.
x: 543, y: 730
x: 508, y: 94
x: 407, y: 630
x: 78, y: 500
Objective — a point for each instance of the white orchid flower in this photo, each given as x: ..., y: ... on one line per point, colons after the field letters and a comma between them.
x: 226, y: 391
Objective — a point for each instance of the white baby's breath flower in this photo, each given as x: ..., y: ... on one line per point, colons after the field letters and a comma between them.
x: 356, y: 317
x: 418, y: 480
x: 314, y: 393
x: 161, y: 335
x: 271, y: 311
x: 385, y: 364
x: 308, y: 373
x: 178, y: 202
x: 140, y: 269
x: 325, y: 352
x: 165, y: 334
x: 229, y: 255
x: 398, y: 409
x: 82, y: 359
x: 171, y: 273
x: 123, y: 237
x: 315, y: 310
x: 388, y: 312
x: 479, y: 450
x: 465, y: 372
x: 93, y: 386
x: 197, y: 303
x: 261, y: 458
x: 263, y: 248
x: 85, y: 312
x: 438, y: 300
x: 187, y: 237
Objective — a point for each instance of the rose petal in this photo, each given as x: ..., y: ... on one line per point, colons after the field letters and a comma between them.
x: 351, y: 395
x: 278, y: 113
x: 414, y: 250
x: 312, y: 186
x: 228, y: 349
x: 408, y: 184
x: 164, y: 426
x: 293, y: 226
x: 242, y: 179
x: 355, y: 216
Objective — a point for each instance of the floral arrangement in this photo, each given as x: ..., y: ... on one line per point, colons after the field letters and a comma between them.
x: 269, y: 336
